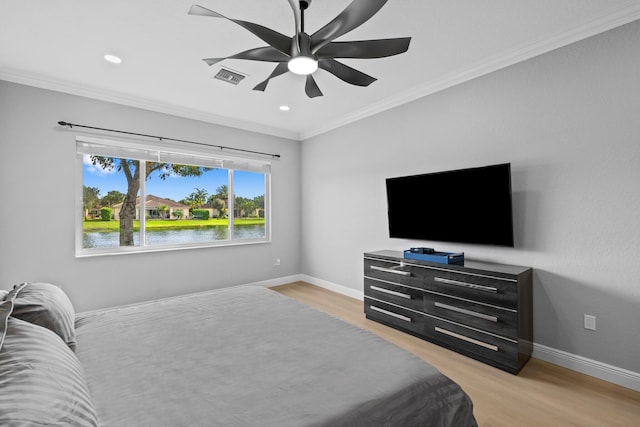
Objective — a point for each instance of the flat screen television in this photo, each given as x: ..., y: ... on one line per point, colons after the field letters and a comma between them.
x: 464, y: 206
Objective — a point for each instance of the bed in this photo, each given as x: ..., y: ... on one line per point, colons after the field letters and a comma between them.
x: 240, y: 356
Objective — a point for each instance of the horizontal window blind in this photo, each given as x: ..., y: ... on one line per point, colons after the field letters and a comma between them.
x: 170, y: 154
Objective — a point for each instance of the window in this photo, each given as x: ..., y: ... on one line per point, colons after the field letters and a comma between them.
x: 137, y: 197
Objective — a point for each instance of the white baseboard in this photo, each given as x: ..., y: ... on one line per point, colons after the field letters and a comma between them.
x: 612, y: 374
x: 278, y: 281
x: 350, y: 292
x: 603, y: 371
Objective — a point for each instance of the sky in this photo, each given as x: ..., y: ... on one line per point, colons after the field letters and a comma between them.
x: 246, y: 184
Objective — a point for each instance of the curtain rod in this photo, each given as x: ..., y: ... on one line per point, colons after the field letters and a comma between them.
x: 163, y: 138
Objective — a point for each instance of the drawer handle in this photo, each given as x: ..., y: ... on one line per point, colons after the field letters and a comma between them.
x: 391, y: 270
x: 390, y: 313
x: 467, y: 339
x: 390, y: 292
x: 466, y: 285
x: 465, y: 311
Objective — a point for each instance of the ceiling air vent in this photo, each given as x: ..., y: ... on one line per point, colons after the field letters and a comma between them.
x: 229, y: 76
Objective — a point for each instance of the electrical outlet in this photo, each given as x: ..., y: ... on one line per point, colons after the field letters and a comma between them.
x: 276, y: 261
x: 590, y: 322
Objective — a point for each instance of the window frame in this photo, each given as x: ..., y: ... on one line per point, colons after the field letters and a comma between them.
x: 132, y: 150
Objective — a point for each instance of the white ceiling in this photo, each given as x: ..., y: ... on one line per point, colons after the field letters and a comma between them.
x: 59, y: 45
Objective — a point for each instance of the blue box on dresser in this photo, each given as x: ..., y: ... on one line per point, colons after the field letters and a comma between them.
x: 439, y: 257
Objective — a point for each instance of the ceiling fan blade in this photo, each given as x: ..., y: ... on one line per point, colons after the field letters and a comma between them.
x: 280, y: 69
x: 356, y: 14
x: 346, y: 73
x: 212, y: 61
x: 311, y: 88
x: 365, y: 49
x: 266, y: 54
x: 271, y: 37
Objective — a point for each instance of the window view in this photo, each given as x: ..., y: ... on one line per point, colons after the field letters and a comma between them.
x: 152, y: 200
x: 248, y: 205
x: 104, y: 189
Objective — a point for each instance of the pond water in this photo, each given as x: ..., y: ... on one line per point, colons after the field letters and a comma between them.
x: 173, y: 237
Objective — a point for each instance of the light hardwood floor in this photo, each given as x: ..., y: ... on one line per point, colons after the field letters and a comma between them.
x: 542, y: 394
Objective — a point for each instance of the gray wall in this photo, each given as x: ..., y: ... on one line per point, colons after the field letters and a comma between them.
x: 37, y: 182
x: 568, y: 123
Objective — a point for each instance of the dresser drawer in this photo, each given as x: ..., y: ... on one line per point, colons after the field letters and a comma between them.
x: 394, y: 271
x: 472, y: 343
x: 394, y: 293
x: 393, y: 315
x: 490, y: 290
x: 495, y: 320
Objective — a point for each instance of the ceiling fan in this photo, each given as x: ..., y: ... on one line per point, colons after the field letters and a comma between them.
x: 304, y: 54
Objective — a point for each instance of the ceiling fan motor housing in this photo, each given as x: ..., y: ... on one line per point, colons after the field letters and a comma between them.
x: 303, y: 44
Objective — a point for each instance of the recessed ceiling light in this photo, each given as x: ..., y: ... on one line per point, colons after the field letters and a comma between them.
x: 112, y: 58
x: 284, y: 108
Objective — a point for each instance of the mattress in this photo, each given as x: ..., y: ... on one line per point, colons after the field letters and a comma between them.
x: 249, y: 356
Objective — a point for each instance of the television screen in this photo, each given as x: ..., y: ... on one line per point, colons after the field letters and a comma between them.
x: 464, y: 206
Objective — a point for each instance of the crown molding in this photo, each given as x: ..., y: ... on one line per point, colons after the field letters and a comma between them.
x: 43, y: 82
x: 597, y: 25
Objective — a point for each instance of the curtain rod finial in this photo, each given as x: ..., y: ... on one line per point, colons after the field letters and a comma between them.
x: 61, y: 123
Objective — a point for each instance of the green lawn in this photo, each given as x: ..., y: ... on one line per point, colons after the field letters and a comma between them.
x: 167, y: 224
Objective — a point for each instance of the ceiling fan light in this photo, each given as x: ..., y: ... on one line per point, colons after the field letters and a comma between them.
x: 303, y: 65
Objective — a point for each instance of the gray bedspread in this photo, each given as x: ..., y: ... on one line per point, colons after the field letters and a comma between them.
x: 249, y: 356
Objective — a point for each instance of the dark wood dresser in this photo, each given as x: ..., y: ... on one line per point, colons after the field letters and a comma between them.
x: 482, y: 310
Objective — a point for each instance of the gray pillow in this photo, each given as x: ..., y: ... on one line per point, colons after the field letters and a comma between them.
x: 42, y: 381
x: 6, y: 307
x: 46, y: 305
